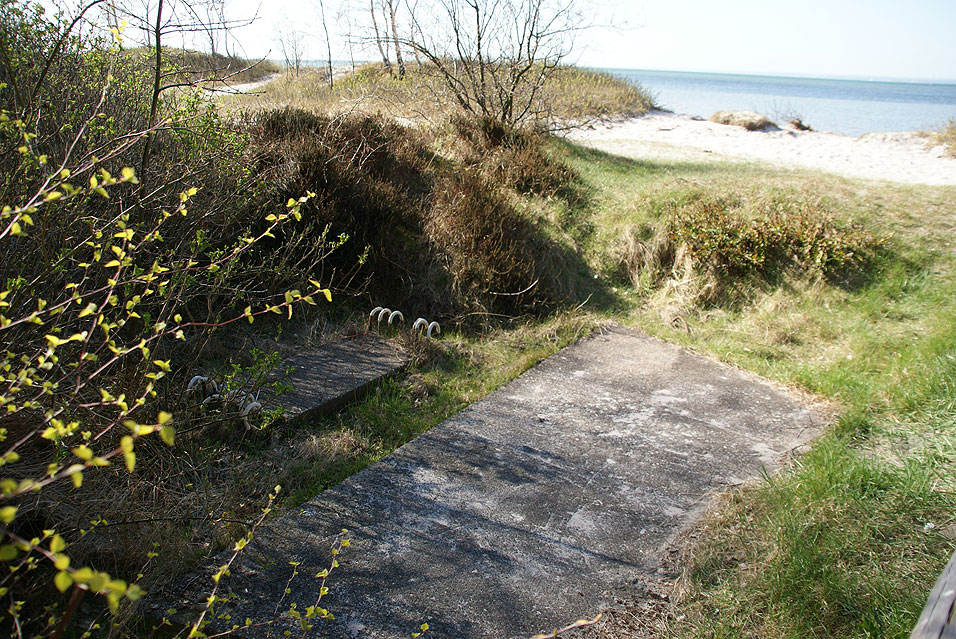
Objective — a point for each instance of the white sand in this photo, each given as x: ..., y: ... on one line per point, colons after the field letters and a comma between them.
x: 897, y: 157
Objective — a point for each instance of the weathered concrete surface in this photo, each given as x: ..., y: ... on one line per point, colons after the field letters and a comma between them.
x: 326, y: 378
x: 535, y: 505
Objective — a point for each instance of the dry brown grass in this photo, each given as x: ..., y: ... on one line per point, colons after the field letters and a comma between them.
x: 747, y: 119
x: 571, y: 95
x: 946, y: 137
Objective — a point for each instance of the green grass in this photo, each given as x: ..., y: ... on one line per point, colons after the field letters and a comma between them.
x: 835, y: 545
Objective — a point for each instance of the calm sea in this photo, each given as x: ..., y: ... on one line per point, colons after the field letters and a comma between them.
x: 852, y: 107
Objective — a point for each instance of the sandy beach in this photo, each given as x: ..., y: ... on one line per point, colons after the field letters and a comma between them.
x: 896, y: 157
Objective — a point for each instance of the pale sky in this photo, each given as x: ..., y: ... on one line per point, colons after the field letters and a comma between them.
x: 858, y: 38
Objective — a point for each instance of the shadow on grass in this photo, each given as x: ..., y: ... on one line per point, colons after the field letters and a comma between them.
x: 621, y: 164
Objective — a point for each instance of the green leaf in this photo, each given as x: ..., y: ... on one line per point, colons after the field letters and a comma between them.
x: 7, y: 514
x: 62, y: 581
x: 57, y: 544
x: 83, y: 452
x: 134, y: 592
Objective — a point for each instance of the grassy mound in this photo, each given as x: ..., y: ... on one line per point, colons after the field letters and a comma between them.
x: 571, y: 94
x: 437, y: 236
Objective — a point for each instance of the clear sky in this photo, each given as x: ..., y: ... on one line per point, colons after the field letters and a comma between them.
x: 913, y: 39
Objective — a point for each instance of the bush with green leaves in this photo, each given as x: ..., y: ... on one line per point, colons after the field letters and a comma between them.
x: 85, y: 360
x: 109, y: 278
x: 733, y: 238
x: 718, y: 249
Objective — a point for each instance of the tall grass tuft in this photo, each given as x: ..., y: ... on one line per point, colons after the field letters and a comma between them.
x: 946, y: 137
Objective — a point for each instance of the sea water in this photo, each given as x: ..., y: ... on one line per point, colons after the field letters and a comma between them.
x: 852, y: 107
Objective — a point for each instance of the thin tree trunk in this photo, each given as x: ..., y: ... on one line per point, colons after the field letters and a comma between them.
x: 411, y: 33
x: 378, y: 39
x: 157, y: 79
x: 328, y: 44
x: 398, y: 49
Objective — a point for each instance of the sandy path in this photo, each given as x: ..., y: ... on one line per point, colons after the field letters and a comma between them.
x: 897, y: 157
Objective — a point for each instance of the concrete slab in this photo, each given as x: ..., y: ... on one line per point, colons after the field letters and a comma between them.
x: 533, y: 507
x: 326, y: 378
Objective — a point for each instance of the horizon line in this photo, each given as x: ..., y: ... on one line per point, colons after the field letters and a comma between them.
x: 847, y: 77
x: 850, y: 77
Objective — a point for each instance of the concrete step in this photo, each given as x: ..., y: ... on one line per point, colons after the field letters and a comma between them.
x: 328, y: 377
x: 535, y: 506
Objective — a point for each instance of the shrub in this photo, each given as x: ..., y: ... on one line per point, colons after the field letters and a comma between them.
x: 490, y: 252
x: 733, y: 243
x: 512, y: 156
x: 109, y: 274
x: 435, y: 236
x: 774, y: 237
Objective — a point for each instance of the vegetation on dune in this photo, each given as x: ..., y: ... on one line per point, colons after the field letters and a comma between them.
x: 436, y: 235
x: 569, y: 95
x: 946, y: 137
x: 196, y: 68
x: 714, y: 248
x: 747, y: 119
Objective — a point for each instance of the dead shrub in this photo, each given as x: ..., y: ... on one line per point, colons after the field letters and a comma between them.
x: 946, y: 137
x: 640, y: 256
x: 747, y: 119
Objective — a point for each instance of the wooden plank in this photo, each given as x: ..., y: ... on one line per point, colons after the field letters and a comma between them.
x: 938, y: 620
